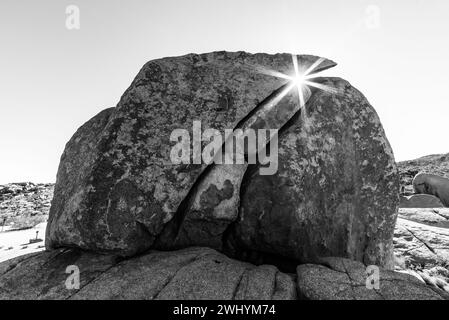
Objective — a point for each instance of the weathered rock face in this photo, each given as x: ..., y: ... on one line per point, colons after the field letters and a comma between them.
x: 420, y: 201
x: 343, y: 279
x: 336, y: 189
x: 214, y: 204
x: 423, y: 249
x: 194, y: 273
x: 116, y: 187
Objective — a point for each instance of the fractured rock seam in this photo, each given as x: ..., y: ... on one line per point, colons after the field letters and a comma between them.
x: 178, y: 219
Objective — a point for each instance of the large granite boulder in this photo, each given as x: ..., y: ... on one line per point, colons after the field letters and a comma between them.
x: 116, y: 186
x: 336, y: 189
x: 190, y: 274
x: 334, y: 192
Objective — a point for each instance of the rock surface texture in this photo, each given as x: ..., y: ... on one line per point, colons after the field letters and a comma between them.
x: 423, y: 250
x: 193, y: 273
x: 24, y: 205
x: 335, y: 192
x: 343, y: 279
x: 437, y: 164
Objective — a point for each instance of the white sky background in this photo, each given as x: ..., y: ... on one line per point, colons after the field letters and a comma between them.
x: 52, y: 79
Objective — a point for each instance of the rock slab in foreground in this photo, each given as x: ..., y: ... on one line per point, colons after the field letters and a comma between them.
x: 343, y: 279
x: 194, y: 273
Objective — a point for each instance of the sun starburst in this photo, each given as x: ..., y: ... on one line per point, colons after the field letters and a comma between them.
x: 301, y: 80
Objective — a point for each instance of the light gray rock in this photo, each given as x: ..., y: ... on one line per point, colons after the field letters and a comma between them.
x: 424, y: 250
x: 434, y: 185
x: 436, y: 217
x: 420, y: 244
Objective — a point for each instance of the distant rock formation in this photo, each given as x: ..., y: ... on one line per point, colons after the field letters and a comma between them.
x: 25, y: 204
x: 438, y: 186
x: 437, y: 164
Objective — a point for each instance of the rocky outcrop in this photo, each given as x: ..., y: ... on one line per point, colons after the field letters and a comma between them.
x: 420, y: 201
x: 24, y: 205
x: 335, y: 191
x: 116, y: 186
x: 190, y: 274
x: 343, y: 279
x: 437, y: 164
x: 423, y: 249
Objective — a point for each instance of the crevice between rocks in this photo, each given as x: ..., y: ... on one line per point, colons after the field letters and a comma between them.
x: 441, y: 215
x: 230, y: 244
x: 95, y: 278
x: 237, y: 286
x: 15, y: 265
x: 183, y: 265
x: 422, y: 241
x: 172, y: 228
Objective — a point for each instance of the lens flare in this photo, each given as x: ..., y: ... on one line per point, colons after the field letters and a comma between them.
x: 301, y: 80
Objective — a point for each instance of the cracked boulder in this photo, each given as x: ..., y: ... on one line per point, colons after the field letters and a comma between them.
x: 116, y: 186
x: 189, y: 274
x: 344, y: 279
x: 336, y: 189
x: 214, y: 204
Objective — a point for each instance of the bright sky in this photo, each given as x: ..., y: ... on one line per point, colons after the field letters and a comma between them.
x: 52, y: 79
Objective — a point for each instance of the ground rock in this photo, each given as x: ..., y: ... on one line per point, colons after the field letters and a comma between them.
x: 343, y: 279
x: 193, y: 273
